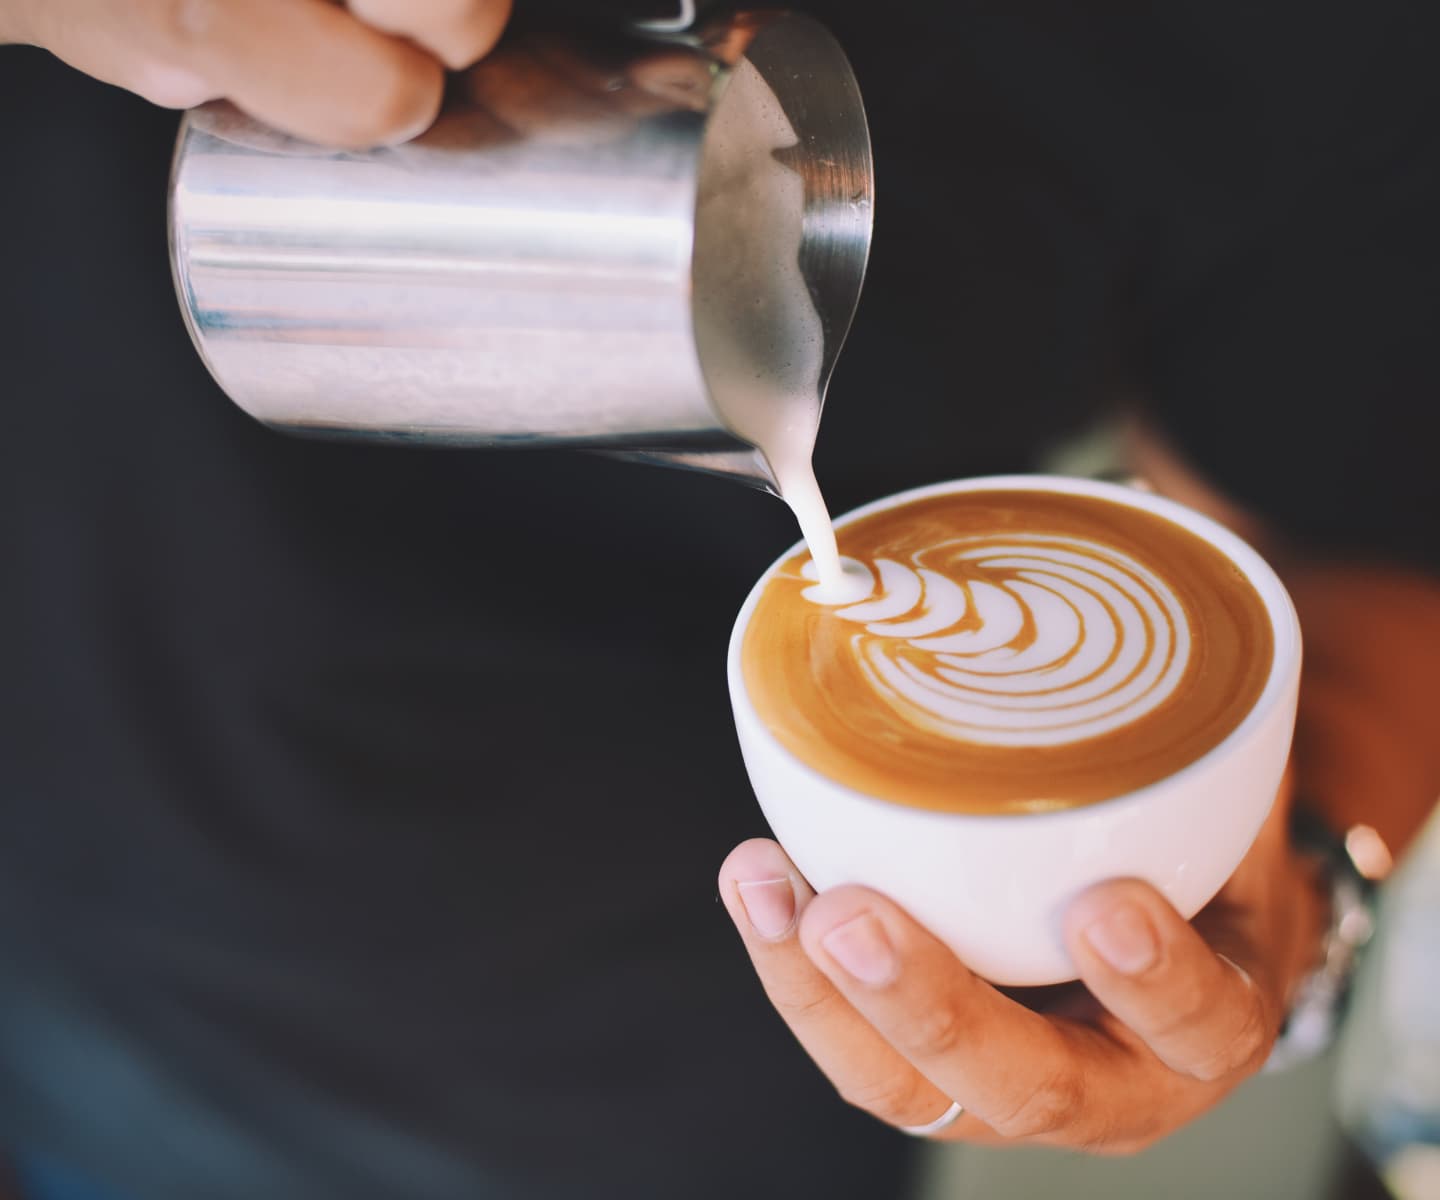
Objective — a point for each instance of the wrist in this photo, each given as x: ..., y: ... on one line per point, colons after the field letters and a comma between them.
x: 1312, y: 908
x: 1337, y: 922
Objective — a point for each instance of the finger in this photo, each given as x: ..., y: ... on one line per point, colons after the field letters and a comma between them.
x: 1199, y: 1011
x: 531, y: 96
x: 765, y: 896
x: 674, y: 79
x: 309, y: 68
x: 113, y: 47
x: 1022, y: 1074
x: 660, y: 81
x: 457, y: 32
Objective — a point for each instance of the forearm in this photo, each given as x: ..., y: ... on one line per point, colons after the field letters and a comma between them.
x: 1367, y: 744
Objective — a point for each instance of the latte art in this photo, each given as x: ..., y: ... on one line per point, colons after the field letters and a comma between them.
x: 1019, y: 641
x: 1008, y: 651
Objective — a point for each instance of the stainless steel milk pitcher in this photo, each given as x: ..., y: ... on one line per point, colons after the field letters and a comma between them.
x: 525, y: 272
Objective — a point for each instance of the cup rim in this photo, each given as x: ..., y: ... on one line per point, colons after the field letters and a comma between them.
x: 1284, y: 624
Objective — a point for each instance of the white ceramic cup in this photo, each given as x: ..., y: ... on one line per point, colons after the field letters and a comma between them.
x: 995, y: 887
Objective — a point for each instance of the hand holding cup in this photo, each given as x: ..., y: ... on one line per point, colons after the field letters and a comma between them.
x: 1052, y: 733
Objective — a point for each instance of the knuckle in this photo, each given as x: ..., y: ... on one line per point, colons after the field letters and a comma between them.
x: 189, y: 23
x: 1187, y: 1011
x: 1101, y: 1143
x: 1050, y: 1109
x: 803, y: 1008
x: 1117, y: 1135
x: 935, y: 1032
x: 893, y: 1100
x: 1243, y: 1048
x: 1120, y: 1147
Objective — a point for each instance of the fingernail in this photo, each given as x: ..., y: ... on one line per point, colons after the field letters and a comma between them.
x: 1125, y: 939
x: 770, y: 905
x: 861, y: 947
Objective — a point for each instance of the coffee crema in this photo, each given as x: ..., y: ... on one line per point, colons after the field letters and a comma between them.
x: 1008, y: 651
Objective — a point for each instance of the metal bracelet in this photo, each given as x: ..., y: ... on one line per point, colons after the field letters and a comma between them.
x: 1352, y: 866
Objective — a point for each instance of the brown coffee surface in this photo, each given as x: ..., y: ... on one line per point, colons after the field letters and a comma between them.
x: 1020, y: 651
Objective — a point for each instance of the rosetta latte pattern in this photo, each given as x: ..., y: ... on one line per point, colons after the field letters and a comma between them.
x: 1018, y: 640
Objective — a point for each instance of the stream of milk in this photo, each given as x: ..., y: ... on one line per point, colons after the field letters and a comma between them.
x: 756, y: 326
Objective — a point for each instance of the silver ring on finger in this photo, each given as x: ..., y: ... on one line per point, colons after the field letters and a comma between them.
x: 943, y: 1121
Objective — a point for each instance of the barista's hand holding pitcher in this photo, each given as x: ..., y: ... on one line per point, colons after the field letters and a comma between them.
x: 1177, y: 1013
x: 359, y: 75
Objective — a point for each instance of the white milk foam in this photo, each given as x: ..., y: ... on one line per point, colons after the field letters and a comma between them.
x: 759, y: 335
x: 1065, y: 640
